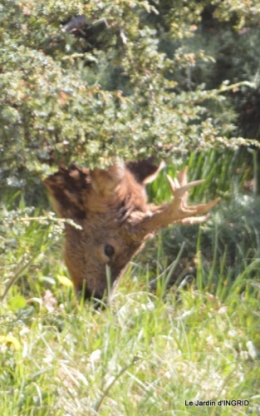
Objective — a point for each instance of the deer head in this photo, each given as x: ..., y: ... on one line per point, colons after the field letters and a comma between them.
x: 111, y: 207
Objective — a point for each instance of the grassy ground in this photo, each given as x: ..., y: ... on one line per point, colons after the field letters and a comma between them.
x: 155, y: 350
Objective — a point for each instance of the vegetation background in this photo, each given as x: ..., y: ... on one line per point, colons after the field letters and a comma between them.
x: 86, y: 80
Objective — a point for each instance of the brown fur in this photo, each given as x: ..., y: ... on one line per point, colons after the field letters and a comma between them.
x: 111, y: 207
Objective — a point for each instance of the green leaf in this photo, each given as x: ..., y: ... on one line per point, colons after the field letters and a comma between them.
x: 17, y: 302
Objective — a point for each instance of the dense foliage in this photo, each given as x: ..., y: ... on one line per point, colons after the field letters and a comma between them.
x: 137, y: 77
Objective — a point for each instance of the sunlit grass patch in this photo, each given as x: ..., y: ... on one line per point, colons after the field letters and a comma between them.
x: 142, y: 355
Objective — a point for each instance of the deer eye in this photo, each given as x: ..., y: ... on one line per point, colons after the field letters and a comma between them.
x: 109, y: 250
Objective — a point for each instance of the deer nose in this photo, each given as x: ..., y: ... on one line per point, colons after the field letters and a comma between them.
x: 84, y: 292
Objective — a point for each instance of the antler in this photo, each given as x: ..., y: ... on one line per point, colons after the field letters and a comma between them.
x: 177, y: 211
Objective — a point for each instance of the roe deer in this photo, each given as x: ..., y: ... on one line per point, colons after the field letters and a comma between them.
x: 111, y: 207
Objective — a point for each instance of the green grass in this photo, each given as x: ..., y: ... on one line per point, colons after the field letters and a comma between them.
x: 152, y: 349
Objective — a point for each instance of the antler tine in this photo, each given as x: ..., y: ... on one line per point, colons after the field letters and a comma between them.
x: 177, y: 189
x: 174, y: 184
x: 200, y: 209
x: 180, y: 181
x: 193, y: 220
x: 178, y: 212
x: 182, y: 176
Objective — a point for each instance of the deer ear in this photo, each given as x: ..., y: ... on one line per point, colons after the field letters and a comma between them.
x: 66, y: 188
x: 145, y: 171
x: 105, y: 181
